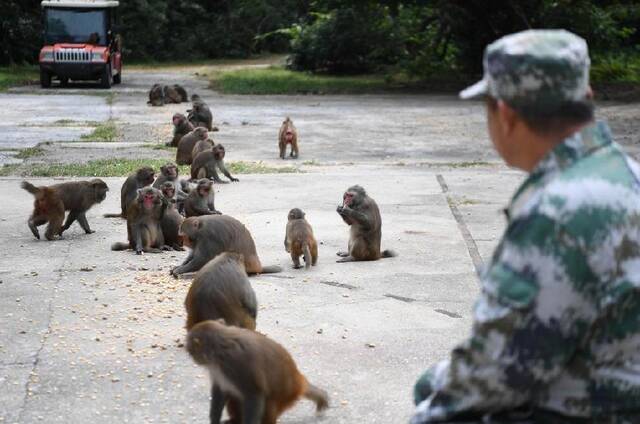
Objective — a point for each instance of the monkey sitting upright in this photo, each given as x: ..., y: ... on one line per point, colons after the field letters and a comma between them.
x: 181, y: 127
x: 253, y: 375
x: 361, y: 212
x: 288, y: 135
x: 205, y: 163
x: 156, y: 95
x: 171, y: 220
x: 299, y: 240
x: 182, y: 92
x: 51, y: 203
x: 144, y: 215
x: 200, y: 114
x: 142, y: 178
x: 200, y: 201
x: 187, y: 143
x: 221, y: 289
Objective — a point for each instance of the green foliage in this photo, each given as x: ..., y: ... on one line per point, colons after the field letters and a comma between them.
x: 16, y: 75
x: 106, y: 131
x: 275, y: 80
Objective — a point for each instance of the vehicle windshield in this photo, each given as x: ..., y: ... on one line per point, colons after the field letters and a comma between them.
x: 76, y: 26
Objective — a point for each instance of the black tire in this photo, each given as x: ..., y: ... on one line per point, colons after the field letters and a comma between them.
x: 45, y: 79
x: 64, y: 81
x: 105, y: 79
x: 117, y: 79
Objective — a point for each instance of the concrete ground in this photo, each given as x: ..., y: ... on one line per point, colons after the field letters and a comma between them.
x: 91, y: 335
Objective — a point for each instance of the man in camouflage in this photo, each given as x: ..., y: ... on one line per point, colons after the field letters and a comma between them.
x: 556, y: 331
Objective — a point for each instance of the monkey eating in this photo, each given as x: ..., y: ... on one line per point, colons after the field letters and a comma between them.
x: 156, y: 95
x: 142, y: 178
x: 253, y: 375
x: 187, y: 143
x: 143, y: 223
x: 181, y: 127
x: 171, y: 220
x: 221, y: 289
x: 361, y: 213
x: 288, y: 135
x: 299, y: 240
x: 200, y: 200
x: 51, y: 202
x: 208, y: 236
x: 205, y: 163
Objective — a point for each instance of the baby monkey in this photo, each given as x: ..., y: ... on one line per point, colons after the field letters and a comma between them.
x: 255, y: 375
x: 299, y: 240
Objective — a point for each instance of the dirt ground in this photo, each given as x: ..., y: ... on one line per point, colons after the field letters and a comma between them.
x: 91, y: 335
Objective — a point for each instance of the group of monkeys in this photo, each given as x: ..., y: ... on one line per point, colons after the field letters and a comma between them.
x: 252, y: 375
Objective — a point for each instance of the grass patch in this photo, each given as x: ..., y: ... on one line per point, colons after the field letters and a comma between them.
x: 158, y: 146
x: 105, y: 132
x: 18, y: 75
x: 277, y: 80
x: 29, y: 152
x: 124, y: 167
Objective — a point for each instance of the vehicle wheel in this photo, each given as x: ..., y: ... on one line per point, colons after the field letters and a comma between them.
x: 105, y: 79
x: 64, y: 81
x: 45, y: 79
x: 117, y: 79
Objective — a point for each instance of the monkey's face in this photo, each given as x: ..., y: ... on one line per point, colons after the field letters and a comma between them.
x: 201, y: 133
x: 168, y: 192
x: 178, y: 119
x: 170, y: 171
x: 218, y: 151
x: 295, y: 213
x: 149, y: 198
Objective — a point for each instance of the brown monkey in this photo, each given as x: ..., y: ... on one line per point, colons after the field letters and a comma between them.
x: 143, y: 223
x: 156, y: 95
x: 288, y: 135
x: 221, y: 289
x: 361, y: 212
x: 200, y: 114
x: 168, y: 172
x: 182, y: 92
x: 208, y: 236
x: 205, y: 163
x: 129, y: 191
x: 51, y: 203
x: 186, y: 144
x: 202, y: 146
x: 299, y: 240
x: 171, y: 95
x: 200, y: 201
x: 181, y: 127
x: 171, y: 220
x: 255, y: 376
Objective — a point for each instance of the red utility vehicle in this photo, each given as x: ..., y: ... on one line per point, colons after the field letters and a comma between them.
x: 80, y: 42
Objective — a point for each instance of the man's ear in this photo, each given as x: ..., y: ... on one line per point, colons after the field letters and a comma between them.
x: 508, y: 118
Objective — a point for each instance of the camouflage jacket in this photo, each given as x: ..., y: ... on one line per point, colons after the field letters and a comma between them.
x: 557, y: 325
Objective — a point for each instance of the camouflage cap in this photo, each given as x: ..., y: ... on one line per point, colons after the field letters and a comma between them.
x: 534, y: 68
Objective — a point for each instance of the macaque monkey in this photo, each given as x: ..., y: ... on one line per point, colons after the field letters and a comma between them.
x: 51, y: 202
x: 221, y: 289
x: 171, y: 220
x: 156, y: 95
x: 288, y: 135
x: 299, y: 240
x: 204, y: 165
x: 181, y: 127
x: 361, y: 213
x: 200, y: 201
x: 143, y: 223
x: 129, y: 191
x: 210, y: 235
x: 253, y: 375
x: 187, y: 143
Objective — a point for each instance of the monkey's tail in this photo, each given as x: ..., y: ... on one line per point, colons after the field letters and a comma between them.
x: 112, y: 215
x: 120, y: 246
x: 271, y: 269
x: 317, y: 395
x: 30, y: 187
x: 307, y: 255
x: 389, y: 253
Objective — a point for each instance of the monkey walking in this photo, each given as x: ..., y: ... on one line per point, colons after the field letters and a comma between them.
x: 299, y: 240
x: 288, y: 135
x: 142, y: 178
x: 361, y: 212
x: 210, y: 235
x: 144, y: 232
x: 51, y: 202
x: 221, y: 289
x: 253, y: 375
x: 204, y: 165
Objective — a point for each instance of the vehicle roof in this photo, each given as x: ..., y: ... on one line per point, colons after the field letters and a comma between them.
x: 80, y: 3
